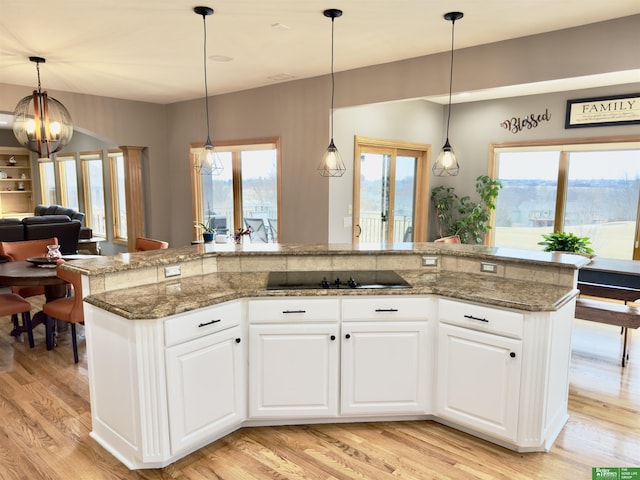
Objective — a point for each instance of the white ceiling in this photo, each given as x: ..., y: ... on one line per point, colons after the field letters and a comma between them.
x: 152, y: 50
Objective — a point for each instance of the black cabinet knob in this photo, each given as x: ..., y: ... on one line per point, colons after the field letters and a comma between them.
x: 332, y: 337
x: 348, y: 335
x: 238, y: 340
x: 512, y: 354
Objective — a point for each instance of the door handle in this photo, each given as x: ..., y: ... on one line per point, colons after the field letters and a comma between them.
x: 359, y: 230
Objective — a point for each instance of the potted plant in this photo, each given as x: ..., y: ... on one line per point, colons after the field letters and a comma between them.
x: 566, y: 242
x: 462, y: 217
x: 208, y: 232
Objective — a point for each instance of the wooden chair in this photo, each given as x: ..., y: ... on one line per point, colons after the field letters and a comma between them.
x: 67, y: 309
x: 15, y: 251
x: 143, y: 244
x: 12, y: 304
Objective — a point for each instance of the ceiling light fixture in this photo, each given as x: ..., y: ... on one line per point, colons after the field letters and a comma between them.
x: 446, y: 164
x: 332, y: 164
x: 208, y: 162
x: 41, y: 123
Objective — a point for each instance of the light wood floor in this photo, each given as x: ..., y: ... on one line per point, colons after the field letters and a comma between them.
x: 45, y: 423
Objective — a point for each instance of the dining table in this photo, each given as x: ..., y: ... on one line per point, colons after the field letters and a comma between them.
x: 28, y: 273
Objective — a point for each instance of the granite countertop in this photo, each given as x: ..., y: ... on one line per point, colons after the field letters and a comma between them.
x: 172, y: 297
x: 135, y: 260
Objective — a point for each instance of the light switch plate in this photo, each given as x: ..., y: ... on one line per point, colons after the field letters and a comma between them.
x: 429, y: 261
x: 172, y: 271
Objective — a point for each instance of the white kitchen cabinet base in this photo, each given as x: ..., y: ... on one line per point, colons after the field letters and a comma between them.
x: 128, y: 372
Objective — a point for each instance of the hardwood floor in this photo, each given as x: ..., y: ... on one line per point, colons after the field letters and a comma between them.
x: 45, y: 423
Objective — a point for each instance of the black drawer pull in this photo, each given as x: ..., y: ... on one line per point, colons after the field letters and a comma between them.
x: 209, y: 323
x: 238, y: 340
x: 294, y: 311
x: 476, y: 318
x: 386, y: 309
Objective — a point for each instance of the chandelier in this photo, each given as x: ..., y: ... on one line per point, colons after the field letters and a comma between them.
x: 40, y: 122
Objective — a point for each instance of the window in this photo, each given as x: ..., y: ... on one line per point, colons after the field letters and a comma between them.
x: 94, y: 194
x: 68, y: 180
x: 588, y: 189
x: 118, y: 195
x: 390, y: 179
x: 47, y: 183
x: 245, y: 194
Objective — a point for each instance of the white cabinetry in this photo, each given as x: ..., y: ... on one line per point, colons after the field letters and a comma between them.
x: 479, y: 367
x: 386, y: 356
x: 479, y: 380
x: 294, y: 358
x: 205, y: 376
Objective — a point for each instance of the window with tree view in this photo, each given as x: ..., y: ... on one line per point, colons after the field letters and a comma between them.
x: 244, y: 195
x: 589, y: 190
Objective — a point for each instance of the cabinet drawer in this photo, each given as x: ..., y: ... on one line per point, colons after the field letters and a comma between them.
x: 387, y: 307
x: 294, y: 310
x: 478, y: 317
x: 181, y: 328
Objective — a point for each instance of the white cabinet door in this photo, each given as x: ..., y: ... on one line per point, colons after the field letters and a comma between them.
x: 385, y: 368
x: 293, y: 370
x: 206, y: 388
x: 479, y: 380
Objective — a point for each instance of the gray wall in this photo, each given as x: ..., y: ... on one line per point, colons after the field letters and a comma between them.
x: 298, y: 113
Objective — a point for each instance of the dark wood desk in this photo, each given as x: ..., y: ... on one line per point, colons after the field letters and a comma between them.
x: 23, y: 273
x: 612, y: 279
x: 613, y: 272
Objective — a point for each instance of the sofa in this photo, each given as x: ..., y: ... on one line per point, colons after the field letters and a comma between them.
x: 38, y: 227
x: 41, y: 210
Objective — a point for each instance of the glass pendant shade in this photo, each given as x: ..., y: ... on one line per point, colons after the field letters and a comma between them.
x: 331, y: 164
x: 209, y: 162
x: 41, y: 123
x: 446, y: 164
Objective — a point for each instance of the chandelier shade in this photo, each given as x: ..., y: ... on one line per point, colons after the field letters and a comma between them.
x: 332, y: 164
x: 446, y: 164
x: 207, y: 162
x: 40, y: 122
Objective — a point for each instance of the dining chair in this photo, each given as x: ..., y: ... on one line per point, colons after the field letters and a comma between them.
x: 12, y: 304
x: 144, y: 244
x: 16, y: 251
x: 67, y: 309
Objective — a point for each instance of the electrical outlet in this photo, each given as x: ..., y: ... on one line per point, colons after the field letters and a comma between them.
x: 488, y: 267
x: 429, y: 261
x: 172, y: 271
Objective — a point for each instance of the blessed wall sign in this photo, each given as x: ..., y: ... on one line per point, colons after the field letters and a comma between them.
x: 603, y: 111
x: 532, y: 120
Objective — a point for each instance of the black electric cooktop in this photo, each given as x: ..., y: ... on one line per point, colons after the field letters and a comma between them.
x: 335, y: 280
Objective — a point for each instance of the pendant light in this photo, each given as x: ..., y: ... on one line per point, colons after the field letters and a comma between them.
x: 332, y: 164
x: 446, y: 164
x: 208, y: 162
x: 41, y: 123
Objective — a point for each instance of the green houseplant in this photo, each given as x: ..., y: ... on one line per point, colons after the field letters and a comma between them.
x: 208, y: 232
x: 460, y: 215
x: 566, y: 242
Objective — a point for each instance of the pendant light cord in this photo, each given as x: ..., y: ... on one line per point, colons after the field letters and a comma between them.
x: 333, y: 82
x: 206, y: 89
x: 453, y: 26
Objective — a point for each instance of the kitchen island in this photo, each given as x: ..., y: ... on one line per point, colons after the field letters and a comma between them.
x: 481, y: 342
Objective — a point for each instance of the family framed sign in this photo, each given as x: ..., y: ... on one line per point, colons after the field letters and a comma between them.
x: 603, y: 111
